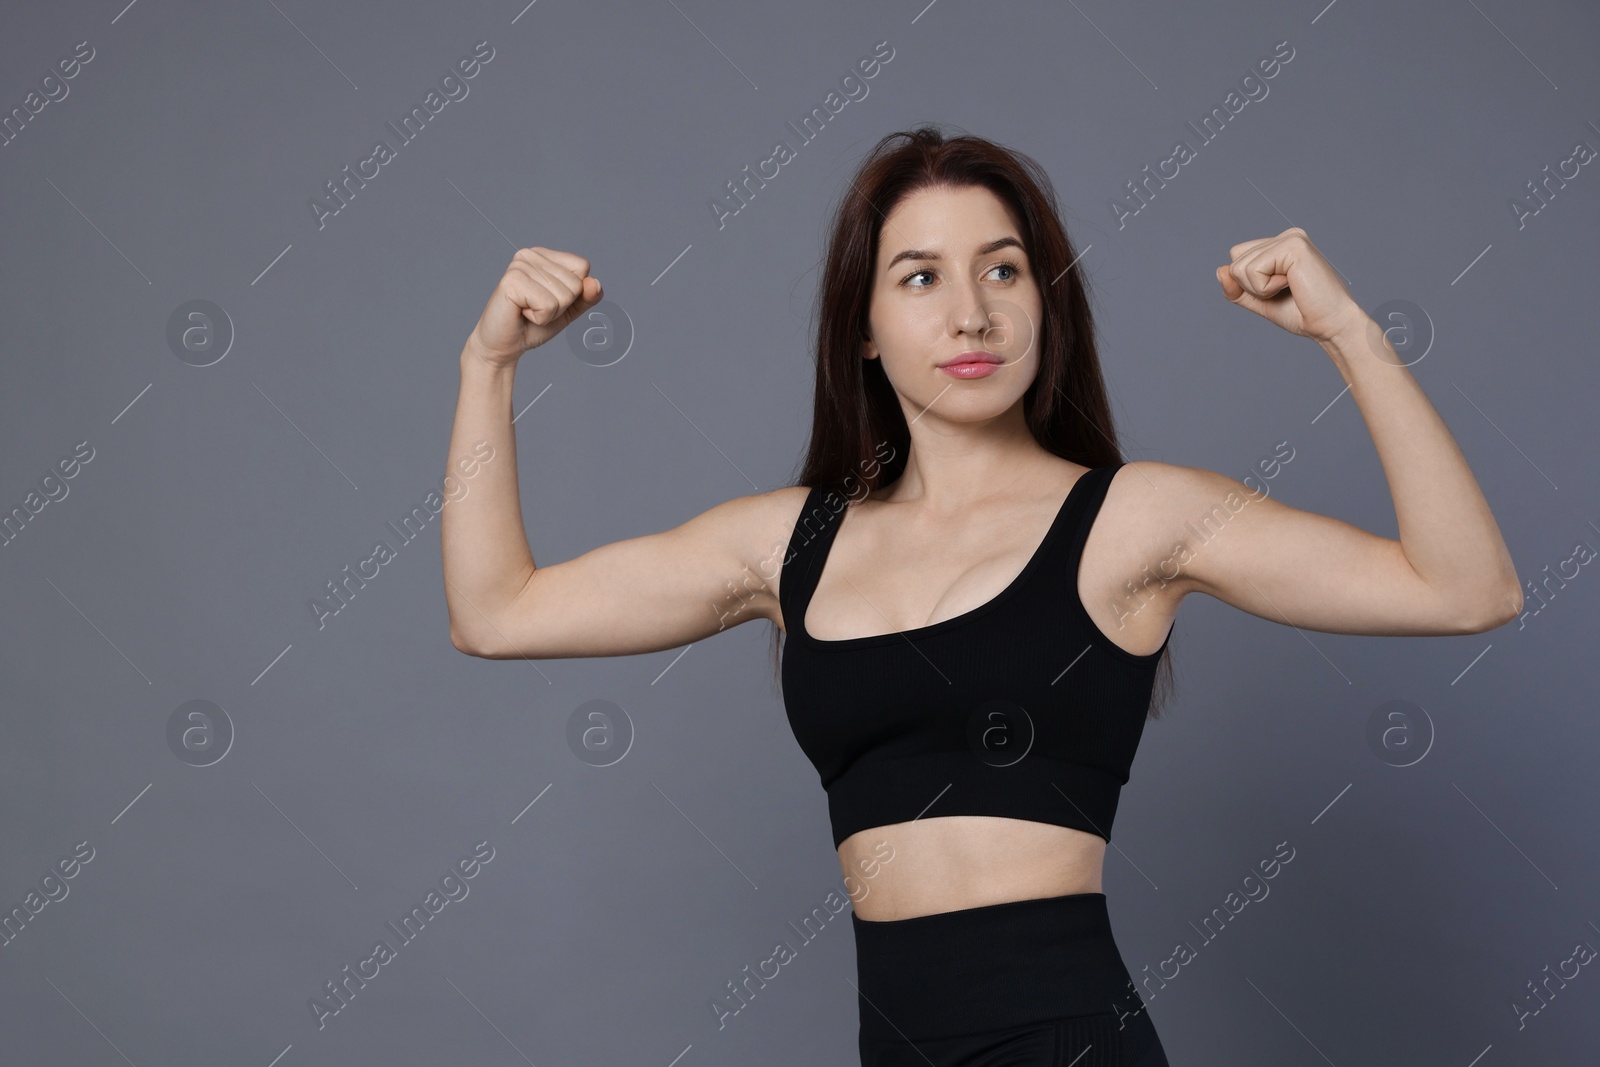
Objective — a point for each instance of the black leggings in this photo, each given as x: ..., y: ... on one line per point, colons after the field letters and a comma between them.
x: 1025, y: 983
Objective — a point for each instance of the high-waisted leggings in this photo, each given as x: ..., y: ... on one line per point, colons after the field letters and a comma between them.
x: 1025, y: 983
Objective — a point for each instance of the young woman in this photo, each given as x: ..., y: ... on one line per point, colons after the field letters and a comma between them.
x: 976, y: 591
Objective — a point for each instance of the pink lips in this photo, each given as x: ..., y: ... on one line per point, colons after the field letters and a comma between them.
x: 972, y: 365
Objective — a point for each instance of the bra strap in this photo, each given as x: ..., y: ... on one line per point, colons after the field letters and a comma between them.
x: 809, y: 542
x: 1087, y: 508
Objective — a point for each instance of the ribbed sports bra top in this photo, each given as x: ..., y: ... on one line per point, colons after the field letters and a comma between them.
x: 1020, y: 707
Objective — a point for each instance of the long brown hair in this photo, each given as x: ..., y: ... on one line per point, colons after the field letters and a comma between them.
x: 859, y: 438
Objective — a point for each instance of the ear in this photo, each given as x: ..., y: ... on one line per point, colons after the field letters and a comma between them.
x: 868, y: 349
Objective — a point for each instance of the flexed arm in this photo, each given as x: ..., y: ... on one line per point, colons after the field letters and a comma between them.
x: 642, y: 594
x: 1449, y: 571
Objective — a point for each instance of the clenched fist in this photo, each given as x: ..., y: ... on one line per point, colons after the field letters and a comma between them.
x: 541, y: 292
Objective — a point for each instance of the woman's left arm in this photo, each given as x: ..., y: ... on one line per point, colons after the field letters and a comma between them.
x: 1450, y: 570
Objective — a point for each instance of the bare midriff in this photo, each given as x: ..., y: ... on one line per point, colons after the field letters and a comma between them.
x: 931, y: 865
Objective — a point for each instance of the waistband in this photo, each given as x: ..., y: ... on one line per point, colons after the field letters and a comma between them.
x: 990, y: 967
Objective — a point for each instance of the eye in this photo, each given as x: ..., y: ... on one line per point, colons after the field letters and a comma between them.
x: 1002, y: 265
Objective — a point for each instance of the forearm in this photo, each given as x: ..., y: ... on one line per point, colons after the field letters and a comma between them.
x: 485, y: 547
x: 1447, y: 530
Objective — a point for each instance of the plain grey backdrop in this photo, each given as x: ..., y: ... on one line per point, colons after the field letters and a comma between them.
x: 251, y: 391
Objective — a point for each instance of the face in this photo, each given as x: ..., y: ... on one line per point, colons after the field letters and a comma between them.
x: 952, y: 279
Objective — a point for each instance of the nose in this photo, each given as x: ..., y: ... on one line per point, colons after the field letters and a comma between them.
x: 969, y: 315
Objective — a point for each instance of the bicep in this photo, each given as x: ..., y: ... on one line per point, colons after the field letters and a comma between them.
x: 642, y: 594
x: 1302, y: 569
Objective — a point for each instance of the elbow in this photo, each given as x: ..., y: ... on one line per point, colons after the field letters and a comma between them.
x: 1496, y: 610
x: 463, y: 643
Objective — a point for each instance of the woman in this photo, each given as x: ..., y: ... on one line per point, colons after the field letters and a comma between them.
x: 976, y: 591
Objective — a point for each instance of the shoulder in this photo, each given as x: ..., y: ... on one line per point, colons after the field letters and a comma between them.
x: 753, y: 524
x: 1170, y: 488
x: 1153, y: 509
x: 756, y: 531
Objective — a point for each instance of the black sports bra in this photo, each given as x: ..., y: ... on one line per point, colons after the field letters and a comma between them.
x: 1020, y: 707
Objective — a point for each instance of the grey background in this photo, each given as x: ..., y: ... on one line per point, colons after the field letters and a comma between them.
x: 369, y: 756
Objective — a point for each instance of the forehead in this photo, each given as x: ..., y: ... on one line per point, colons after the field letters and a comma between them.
x: 946, y: 221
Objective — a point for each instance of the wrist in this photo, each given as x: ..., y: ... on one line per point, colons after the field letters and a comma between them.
x: 477, y: 359
x: 1360, y: 339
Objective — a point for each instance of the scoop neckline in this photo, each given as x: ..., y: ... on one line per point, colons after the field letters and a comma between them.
x: 1034, y: 561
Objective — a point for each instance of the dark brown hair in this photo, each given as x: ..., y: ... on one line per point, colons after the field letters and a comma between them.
x: 859, y: 438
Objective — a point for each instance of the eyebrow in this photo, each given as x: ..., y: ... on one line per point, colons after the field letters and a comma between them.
x: 918, y: 253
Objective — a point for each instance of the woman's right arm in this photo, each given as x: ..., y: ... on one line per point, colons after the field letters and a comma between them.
x: 638, y: 595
